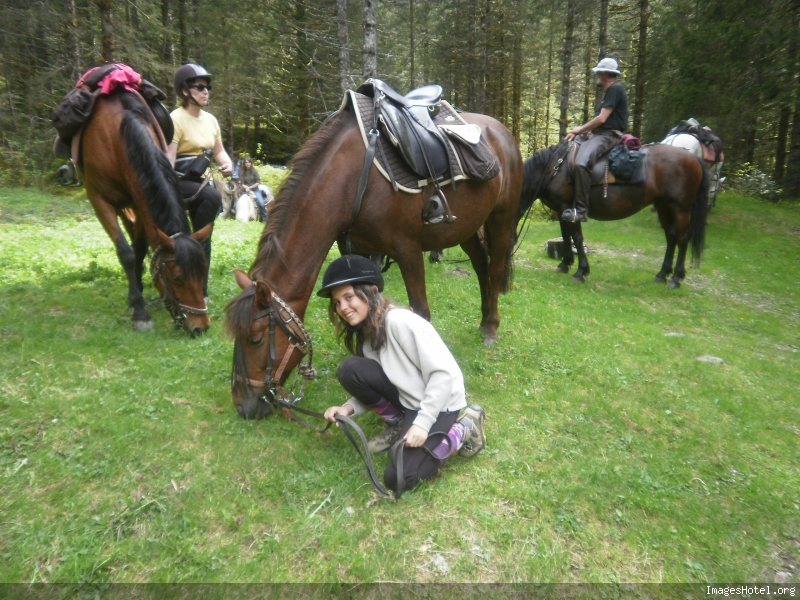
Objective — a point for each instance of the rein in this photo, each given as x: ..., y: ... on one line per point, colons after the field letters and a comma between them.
x: 158, y: 267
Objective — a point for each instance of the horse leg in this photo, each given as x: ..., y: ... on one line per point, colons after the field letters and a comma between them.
x: 498, y: 239
x: 569, y: 257
x: 667, y: 220
x: 140, y: 251
x: 583, y: 262
x: 412, y: 268
x: 480, y: 263
x: 682, y: 238
x: 107, y: 216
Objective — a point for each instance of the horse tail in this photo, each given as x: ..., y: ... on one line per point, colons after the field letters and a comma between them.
x: 154, y: 172
x: 697, y: 221
x: 529, y: 185
x: 508, y: 270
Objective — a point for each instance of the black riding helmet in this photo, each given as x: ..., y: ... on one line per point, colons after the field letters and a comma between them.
x: 350, y: 268
x: 186, y: 72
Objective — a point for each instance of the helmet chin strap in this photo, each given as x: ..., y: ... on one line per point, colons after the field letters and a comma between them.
x: 191, y: 97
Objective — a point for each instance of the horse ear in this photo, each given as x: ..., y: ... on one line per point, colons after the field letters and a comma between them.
x: 165, y: 241
x: 263, y: 294
x: 205, y: 233
x: 242, y: 279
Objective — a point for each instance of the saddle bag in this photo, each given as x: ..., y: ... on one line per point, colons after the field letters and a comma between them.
x: 623, y: 162
x: 72, y: 112
x: 477, y: 159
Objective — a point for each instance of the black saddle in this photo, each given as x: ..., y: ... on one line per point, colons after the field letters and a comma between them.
x: 407, y: 122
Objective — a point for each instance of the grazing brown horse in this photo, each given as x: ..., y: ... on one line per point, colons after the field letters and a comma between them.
x: 676, y: 183
x: 125, y: 168
x: 313, y: 209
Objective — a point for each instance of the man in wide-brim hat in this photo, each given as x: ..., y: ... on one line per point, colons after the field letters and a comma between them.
x: 598, y: 136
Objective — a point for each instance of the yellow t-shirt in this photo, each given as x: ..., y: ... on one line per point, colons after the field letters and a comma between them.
x: 194, y: 135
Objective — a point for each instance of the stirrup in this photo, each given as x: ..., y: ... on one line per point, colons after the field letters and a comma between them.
x: 437, y: 210
x: 573, y: 215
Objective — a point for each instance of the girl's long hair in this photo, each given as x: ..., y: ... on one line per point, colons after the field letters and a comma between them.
x: 372, y: 328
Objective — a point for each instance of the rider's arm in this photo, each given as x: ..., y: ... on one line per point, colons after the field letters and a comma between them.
x: 172, y: 153
x: 599, y: 120
x: 223, y: 160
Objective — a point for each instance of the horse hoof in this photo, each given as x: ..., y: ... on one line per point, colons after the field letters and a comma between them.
x: 562, y: 269
x: 489, y: 341
x: 673, y: 285
x: 659, y: 279
x: 143, y: 325
x: 578, y: 279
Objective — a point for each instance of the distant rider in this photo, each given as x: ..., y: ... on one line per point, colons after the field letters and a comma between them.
x: 195, y: 132
x: 604, y: 132
x: 250, y: 182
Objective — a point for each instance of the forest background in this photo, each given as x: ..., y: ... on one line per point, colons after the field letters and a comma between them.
x: 280, y: 66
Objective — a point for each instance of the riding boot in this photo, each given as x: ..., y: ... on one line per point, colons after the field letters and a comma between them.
x: 583, y: 182
x: 207, y: 250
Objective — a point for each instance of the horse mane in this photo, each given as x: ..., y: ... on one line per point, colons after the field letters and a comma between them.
x: 280, y: 208
x: 238, y: 316
x: 190, y: 257
x: 533, y: 172
x: 154, y: 172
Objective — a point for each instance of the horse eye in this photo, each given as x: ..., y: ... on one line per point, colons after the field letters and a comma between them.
x: 177, y: 280
x: 256, y: 341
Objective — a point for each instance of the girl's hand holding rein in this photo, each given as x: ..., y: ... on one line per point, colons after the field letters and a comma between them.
x: 345, y: 410
x: 416, y: 436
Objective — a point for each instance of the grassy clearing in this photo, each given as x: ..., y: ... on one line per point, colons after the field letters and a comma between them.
x: 614, y: 454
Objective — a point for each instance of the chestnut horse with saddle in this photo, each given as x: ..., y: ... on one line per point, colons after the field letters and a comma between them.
x: 128, y: 178
x: 322, y: 202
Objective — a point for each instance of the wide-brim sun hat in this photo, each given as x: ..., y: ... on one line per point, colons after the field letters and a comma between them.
x: 607, y: 65
x: 350, y: 269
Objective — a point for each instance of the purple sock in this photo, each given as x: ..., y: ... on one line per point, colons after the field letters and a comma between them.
x: 448, y: 447
x: 386, y: 410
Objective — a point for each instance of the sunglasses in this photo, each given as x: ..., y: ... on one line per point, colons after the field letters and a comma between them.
x: 201, y: 87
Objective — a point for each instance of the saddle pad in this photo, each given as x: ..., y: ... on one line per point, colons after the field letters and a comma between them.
x: 407, y: 180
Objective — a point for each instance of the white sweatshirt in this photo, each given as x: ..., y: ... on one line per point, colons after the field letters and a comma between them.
x: 417, y: 362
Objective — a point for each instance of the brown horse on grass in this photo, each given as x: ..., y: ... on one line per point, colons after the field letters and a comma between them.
x: 313, y: 209
x: 677, y: 184
x: 125, y: 168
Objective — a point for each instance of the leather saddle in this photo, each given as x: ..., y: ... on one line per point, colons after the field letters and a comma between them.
x: 407, y: 122
x: 600, y: 172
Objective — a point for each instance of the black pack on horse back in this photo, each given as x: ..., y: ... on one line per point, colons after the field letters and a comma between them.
x: 72, y: 112
x: 623, y: 162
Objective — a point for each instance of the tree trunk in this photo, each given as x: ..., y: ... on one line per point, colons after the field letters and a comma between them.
x: 257, y: 135
x: 183, y: 37
x: 783, y: 134
x: 566, y: 69
x: 166, y: 48
x: 370, y: 49
x: 549, y: 79
x: 472, y: 59
x: 484, y: 77
x: 344, y: 45
x: 601, y: 52
x: 301, y: 72
x: 72, y: 37
x: 791, y: 182
x: 107, y: 24
x: 587, y: 83
x: 516, y: 96
x: 638, y: 110
x: 135, y: 23
x: 750, y: 146
x: 412, y: 81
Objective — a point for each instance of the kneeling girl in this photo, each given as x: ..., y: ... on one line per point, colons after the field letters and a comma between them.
x: 401, y: 369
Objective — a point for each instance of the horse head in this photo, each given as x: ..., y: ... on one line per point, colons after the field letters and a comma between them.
x: 269, y: 341
x: 178, y: 270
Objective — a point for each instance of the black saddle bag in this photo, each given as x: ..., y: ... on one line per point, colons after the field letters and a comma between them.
x: 193, y: 168
x: 72, y: 112
x: 623, y: 162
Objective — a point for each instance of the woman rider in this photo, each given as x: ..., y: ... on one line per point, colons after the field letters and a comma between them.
x: 251, y: 180
x: 401, y: 369
x: 197, y: 131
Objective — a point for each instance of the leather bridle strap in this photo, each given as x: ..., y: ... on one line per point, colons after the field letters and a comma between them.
x: 177, y: 310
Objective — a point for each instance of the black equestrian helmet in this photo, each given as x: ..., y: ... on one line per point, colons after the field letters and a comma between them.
x: 350, y: 268
x: 186, y: 72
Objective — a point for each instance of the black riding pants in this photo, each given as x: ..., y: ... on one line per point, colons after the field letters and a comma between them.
x: 588, y: 154
x: 203, y: 209
x: 365, y: 380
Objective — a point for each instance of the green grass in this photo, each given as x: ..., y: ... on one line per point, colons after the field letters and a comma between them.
x: 614, y: 454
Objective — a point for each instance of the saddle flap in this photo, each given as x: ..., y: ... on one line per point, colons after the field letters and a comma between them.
x: 427, y: 95
x: 414, y: 141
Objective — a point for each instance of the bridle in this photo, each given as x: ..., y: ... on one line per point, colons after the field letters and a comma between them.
x: 158, y: 268
x: 281, y: 315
